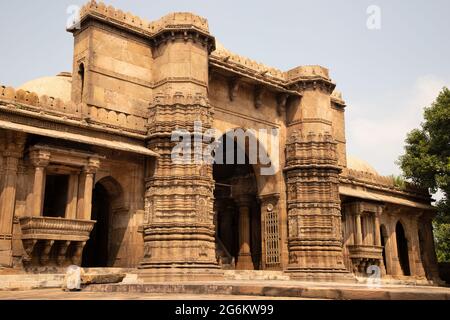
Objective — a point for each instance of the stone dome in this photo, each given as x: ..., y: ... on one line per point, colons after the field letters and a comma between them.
x: 357, y: 164
x: 59, y: 86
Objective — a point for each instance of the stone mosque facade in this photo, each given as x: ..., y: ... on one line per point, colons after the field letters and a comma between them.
x: 87, y: 176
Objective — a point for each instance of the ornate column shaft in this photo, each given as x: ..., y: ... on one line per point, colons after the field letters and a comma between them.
x: 315, y: 239
x: 179, y: 232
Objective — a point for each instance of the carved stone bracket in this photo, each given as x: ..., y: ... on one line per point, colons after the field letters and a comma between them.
x: 281, y: 103
x: 233, y: 88
x: 258, y: 95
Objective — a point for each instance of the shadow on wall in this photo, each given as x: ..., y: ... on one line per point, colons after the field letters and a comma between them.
x: 444, y: 272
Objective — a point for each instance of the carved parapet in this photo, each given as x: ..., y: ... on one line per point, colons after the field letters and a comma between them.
x: 176, y: 19
x: 30, y: 101
x: 255, y: 67
x: 47, y: 228
x: 53, y: 241
x: 181, y: 25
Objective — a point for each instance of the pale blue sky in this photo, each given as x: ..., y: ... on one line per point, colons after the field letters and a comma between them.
x: 387, y: 76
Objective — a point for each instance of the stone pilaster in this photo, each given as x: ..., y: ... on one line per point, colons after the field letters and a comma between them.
x: 40, y: 160
x: 14, y: 151
x: 315, y: 240
x: 416, y: 263
x: 244, y: 259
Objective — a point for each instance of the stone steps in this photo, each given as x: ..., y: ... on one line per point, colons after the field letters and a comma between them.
x: 278, y: 289
x: 255, y: 275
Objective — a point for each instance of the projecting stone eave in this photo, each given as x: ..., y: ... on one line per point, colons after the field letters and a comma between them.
x: 372, y: 187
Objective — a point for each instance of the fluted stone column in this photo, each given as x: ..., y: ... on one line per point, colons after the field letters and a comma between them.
x: 244, y: 260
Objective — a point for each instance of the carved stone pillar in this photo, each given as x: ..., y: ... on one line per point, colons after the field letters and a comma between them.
x: 358, y: 235
x: 392, y: 240
x: 244, y: 260
x: 417, y: 268
x: 179, y: 232
x: 72, y: 197
x: 85, y: 208
x: 377, y: 227
x: 315, y: 239
x: 40, y: 160
x: 14, y: 150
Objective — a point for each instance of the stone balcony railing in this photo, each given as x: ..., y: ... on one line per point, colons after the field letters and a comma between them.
x: 363, y: 256
x: 53, y: 241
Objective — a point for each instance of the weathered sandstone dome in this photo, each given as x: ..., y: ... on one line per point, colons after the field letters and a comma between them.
x: 357, y: 164
x: 59, y: 86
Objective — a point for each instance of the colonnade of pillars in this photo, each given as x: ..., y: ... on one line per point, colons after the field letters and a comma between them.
x: 79, y: 198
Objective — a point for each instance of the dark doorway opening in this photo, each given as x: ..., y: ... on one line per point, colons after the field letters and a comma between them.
x: 95, y: 253
x: 55, y: 199
x: 383, y: 237
x: 402, y: 249
x: 235, y: 181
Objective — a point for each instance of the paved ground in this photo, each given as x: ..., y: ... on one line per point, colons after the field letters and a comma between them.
x: 57, y: 294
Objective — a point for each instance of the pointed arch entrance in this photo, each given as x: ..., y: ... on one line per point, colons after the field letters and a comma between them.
x: 107, y: 196
x: 240, y: 234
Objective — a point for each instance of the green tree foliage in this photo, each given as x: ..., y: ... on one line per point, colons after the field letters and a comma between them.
x: 426, y: 162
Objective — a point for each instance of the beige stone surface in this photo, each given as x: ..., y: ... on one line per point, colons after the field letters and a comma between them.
x: 94, y: 151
